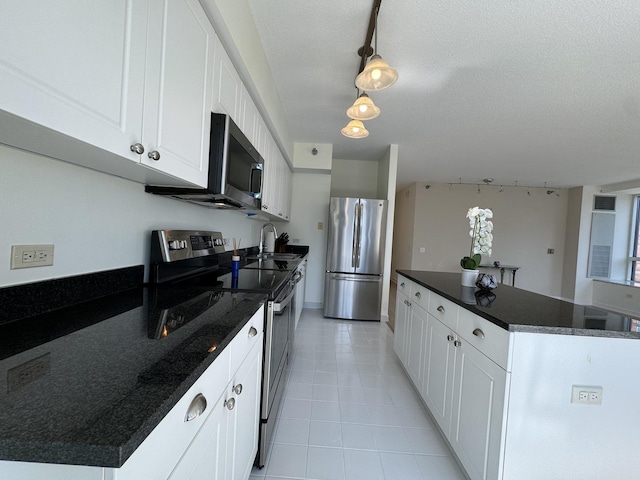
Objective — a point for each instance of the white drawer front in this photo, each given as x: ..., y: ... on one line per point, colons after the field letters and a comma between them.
x: 404, y: 285
x: 245, y: 340
x: 490, y: 339
x: 444, y: 310
x: 419, y: 295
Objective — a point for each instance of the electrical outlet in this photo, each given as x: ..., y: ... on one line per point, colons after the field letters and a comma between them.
x: 320, y: 225
x: 28, y: 372
x: 423, y: 250
x: 551, y: 251
x: 28, y: 256
x: 586, y: 395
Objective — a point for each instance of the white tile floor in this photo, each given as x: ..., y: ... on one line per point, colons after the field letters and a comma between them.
x: 350, y: 413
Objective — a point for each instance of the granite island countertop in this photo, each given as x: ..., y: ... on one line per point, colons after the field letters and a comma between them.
x: 107, y: 372
x: 519, y: 310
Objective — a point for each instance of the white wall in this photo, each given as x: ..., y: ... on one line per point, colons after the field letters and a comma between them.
x: 525, y: 226
x: 310, y: 205
x: 354, y: 178
x: 96, y: 221
x: 403, y: 229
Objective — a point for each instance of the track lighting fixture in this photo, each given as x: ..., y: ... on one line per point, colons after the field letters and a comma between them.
x: 363, y: 108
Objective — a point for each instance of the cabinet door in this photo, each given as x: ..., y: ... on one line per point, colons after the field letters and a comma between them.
x: 269, y: 179
x: 400, y: 327
x: 75, y: 67
x: 245, y: 417
x: 477, y: 414
x: 179, y: 74
x: 439, y: 369
x: 416, y: 341
x: 227, y: 85
x: 206, y: 457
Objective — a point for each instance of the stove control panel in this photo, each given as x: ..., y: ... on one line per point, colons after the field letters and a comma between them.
x: 173, y: 245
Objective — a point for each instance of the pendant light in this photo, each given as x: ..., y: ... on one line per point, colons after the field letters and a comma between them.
x: 363, y: 108
x: 355, y: 129
x: 377, y: 75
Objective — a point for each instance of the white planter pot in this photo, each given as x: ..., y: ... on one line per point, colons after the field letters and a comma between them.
x: 469, y: 277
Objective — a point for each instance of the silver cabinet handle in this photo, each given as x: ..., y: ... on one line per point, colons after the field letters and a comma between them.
x: 408, y: 304
x: 237, y: 389
x: 265, y: 207
x: 478, y: 333
x: 440, y: 309
x: 450, y: 338
x: 196, y: 408
x: 137, y: 148
x: 230, y: 404
x: 253, y: 332
x: 457, y: 343
x: 154, y: 155
x: 418, y: 294
x: 402, y: 284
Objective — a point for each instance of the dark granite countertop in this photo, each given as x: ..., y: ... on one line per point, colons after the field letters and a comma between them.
x: 519, y: 310
x: 101, y: 374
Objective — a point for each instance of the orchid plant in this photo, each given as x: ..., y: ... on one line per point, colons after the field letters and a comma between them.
x: 481, y: 237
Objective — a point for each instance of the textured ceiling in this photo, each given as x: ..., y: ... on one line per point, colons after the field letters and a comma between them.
x: 533, y: 92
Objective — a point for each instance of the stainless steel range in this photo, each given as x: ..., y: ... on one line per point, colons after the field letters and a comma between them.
x: 196, y: 261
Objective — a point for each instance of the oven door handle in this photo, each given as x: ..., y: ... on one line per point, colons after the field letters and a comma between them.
x: 280, y: 306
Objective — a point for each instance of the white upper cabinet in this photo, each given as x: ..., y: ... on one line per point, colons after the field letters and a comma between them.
x: 177, y: 98
x: 109, y: 75
x: 227, y: 86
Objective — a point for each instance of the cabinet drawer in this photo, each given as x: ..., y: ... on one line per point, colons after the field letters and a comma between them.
x: 490, y: 339
x: 444, y: 310
x: 419, y: 295
x: 246, y: 339
x: 404, y: 285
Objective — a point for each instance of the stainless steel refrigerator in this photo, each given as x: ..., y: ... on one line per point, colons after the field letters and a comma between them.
x: 355, y: 258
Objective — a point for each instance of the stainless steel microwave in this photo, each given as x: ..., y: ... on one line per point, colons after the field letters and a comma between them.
x: 235, y: 171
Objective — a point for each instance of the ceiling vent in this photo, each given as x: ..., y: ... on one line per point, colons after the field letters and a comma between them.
x: 604, y: 203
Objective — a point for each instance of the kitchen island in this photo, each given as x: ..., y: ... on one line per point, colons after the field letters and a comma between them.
x: 110, y: 382
x: 523, y: 386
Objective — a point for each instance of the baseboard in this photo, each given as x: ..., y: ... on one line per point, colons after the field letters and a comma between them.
x: 313, y: 305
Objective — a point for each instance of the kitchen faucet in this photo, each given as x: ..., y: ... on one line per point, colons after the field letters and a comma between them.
x: 261, y: 254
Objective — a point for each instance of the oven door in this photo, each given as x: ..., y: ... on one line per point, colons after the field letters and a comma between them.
x: 276, y: 347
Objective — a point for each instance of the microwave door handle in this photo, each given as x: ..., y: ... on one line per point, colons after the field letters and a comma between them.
x: 254, y: 168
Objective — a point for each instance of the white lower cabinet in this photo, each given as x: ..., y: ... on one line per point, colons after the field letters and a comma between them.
x: 479, y: 387
x: 462, y: 386
x: 439, y: 369
x: 401, y: 326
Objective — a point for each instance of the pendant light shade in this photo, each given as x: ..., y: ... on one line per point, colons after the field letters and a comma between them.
x: 363, y: 108
x: 355, y: 129
x: 377, y: 75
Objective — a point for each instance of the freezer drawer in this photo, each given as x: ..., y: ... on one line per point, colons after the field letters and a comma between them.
x: 352, y: 296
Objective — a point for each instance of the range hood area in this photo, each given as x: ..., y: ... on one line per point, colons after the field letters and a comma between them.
x: 235, y: 171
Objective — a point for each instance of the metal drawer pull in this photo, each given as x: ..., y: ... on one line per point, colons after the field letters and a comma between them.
x: 450, y: 338
x: 440, y: 309
x: 418, y: 294
x: 408, y: 303
x: 478, y: 333
x: 196, y: 408
x: 253, y: 332
x: 230, y: 404
x: 154, y: 155
x: 457, y: 343
x: 237, y: 389
x: 402, y: 284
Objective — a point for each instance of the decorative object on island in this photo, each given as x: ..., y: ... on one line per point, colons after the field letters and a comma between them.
x: 481, y: 239
x: 486, y: 281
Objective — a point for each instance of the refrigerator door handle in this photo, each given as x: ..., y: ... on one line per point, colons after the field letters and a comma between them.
x: 354, y: 244
x: 358, y: 233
